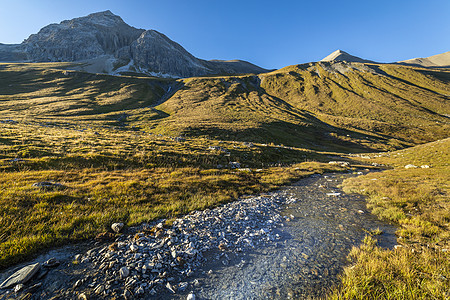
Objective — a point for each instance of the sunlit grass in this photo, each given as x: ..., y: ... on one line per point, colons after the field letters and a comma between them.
x: 417, y: 199
x: 117, y: 175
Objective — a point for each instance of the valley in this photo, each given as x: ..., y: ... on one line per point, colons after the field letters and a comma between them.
x: 153, y: 173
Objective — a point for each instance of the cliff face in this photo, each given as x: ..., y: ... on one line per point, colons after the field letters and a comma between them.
x: 81, y: 38
x: 157, y: 53
x: 106, y: 36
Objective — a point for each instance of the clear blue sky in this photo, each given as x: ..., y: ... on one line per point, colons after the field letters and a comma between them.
x: 272, y: 34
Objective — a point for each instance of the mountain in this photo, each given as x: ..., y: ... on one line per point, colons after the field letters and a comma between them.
x: 340, y: 55
x: 439, y: 60
x: 333, y: 106
x: 103, y: 43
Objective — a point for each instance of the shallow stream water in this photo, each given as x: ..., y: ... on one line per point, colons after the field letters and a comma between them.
x: 321, y: 225
x: 317, y: 236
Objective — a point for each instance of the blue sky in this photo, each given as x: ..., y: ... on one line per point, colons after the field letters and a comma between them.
x: 272, y: 34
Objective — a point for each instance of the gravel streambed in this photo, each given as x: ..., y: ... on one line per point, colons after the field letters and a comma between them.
x: 288, y: 244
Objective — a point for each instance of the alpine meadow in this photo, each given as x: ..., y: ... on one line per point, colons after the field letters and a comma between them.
x: 166, y: 173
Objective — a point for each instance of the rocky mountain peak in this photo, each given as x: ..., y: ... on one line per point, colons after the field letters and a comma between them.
x: 103, y: 18
x: 104, y: 40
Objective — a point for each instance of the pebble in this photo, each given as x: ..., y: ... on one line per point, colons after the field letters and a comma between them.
x: 124, y: 272
x: 191, y: 296
x: 82, y: 296
x: 99, y: 289
x: 175, y: 251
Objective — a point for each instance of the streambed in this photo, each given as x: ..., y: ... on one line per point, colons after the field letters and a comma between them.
x: 292, y: 243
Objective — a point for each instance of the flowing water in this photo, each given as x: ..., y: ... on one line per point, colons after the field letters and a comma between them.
x: 320, y: 229
x: 321, y: 225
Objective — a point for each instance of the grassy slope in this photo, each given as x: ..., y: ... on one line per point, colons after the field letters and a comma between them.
x: 338, y: 107
x: 317, y: 105
x: 35, y: 91
x: 418, y: 200
x: 76, y: 128
x: 121, y: 175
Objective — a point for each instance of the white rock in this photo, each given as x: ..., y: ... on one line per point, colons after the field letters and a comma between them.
x: 425, y: 166
x: 170, y: 288
x: 410, y: 166
x: 333, y: 194
x: 191, y: 296
x: 117, y: 227
x: 18, y: 288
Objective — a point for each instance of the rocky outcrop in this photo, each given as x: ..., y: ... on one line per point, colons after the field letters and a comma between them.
x: 103, y: 40
x: 81, y: 38
x: 155, y: 52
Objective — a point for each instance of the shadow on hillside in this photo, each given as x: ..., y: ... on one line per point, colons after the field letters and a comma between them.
x: 85, y: 89
x: 324, y: 137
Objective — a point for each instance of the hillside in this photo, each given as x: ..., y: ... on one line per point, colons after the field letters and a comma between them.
x: 323, y: 106
x: 335, y: 104
x: 438, y: 60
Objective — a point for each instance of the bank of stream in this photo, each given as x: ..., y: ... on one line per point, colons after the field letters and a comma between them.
x: 291, y: 243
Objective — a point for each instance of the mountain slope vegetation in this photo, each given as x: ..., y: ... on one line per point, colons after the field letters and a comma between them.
x: 325, y: 106
x: 344, y: 104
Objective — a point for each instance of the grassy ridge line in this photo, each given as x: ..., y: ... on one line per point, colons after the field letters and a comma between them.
x: 418, y: 200
x: 122, y: 175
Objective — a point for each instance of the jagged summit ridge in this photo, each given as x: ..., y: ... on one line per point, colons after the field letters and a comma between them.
x: 103, y: 41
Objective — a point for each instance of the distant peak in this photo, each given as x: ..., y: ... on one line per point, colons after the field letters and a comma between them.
x: 339, y: 51
x: 340, y: 55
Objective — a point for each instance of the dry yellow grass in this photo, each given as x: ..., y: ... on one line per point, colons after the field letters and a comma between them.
x: 417, y: 199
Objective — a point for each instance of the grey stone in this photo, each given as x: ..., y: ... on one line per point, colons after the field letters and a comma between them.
x: 47, y: 185
x: 124, y: 272
x: 51, y: 263
x: 21, y: 276
x: 191, y: 296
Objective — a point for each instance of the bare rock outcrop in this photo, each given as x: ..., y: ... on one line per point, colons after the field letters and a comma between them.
x: 106, y: 44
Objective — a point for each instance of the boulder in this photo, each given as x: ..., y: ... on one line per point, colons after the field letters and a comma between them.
x: 47, y: 185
